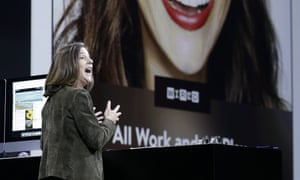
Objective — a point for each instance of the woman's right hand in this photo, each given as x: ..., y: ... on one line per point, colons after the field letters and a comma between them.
x: 112, y: 114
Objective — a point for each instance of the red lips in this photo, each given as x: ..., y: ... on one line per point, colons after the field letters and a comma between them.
x: 187, y: 17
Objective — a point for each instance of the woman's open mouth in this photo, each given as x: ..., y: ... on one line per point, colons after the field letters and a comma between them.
x: 88, y: 70
x: 189, y: 14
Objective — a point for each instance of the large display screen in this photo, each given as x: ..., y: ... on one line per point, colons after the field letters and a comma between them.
x: 193, y: 72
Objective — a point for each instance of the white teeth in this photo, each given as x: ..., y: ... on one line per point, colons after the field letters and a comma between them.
x: 193, y: 3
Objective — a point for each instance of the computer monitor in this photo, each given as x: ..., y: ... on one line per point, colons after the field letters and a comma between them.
x: 25, y: 101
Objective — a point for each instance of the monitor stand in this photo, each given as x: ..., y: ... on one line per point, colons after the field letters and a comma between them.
x: 27, y: 148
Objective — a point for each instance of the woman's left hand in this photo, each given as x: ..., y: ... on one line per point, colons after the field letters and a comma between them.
x: 99, y: 115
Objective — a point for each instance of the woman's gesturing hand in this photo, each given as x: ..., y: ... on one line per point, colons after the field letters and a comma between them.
x: 112, y: 114
x: 98, y: 115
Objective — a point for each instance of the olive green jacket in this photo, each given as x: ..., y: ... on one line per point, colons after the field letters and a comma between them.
x: 72, y: 139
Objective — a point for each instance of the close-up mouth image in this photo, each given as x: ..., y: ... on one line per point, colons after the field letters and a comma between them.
x: 190, y: 15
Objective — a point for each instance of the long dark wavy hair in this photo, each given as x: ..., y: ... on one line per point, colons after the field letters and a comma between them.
x: 64, y: 70
x: 243, y: 66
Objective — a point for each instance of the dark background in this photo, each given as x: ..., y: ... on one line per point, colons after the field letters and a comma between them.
x: 15, y: 44
x: 15, y: 38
